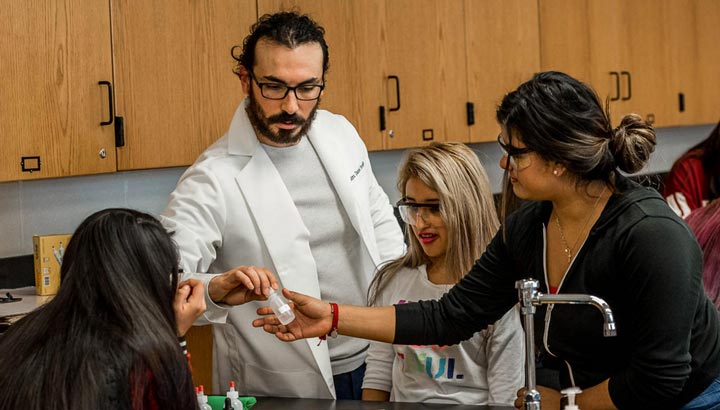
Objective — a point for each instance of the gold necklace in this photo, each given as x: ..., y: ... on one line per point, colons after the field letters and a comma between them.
x: 566, y: 248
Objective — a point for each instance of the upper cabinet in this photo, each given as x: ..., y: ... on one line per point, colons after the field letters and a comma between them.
x: 410, y: 72
x: 503, y: 51
x: 80, y: 75
x: 175, y: 89
x: 95, y: 86
x: 53, y: 57
x: 642, y: 56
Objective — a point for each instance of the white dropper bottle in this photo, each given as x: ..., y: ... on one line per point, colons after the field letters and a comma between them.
x: 202, y: 398
x: 570, y: 392
x: 280, y: 307
x: 233, y: 395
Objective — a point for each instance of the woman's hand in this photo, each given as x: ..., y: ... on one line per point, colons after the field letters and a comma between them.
x: 241, y: 285
x: 313, y: 318
x: 549, y: 398
x: 189, y: 304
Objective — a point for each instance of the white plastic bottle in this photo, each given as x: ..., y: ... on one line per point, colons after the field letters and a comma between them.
x: 233, y: 395
x: 202, y: 399
x: 570, y: 392
x: 280, y: 307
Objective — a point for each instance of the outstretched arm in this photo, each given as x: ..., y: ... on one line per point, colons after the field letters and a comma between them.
x: 313, y: 318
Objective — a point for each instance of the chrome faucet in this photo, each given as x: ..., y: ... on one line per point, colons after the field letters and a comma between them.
x: 529, y: 298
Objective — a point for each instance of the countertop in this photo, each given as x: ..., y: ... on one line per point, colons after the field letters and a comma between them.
x: 30, y: 301
x: 274, y: 403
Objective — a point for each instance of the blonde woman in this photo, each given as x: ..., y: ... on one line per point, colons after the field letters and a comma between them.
x: 448, y: 207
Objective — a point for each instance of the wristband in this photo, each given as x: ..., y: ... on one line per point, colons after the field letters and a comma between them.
x: 333, y: 330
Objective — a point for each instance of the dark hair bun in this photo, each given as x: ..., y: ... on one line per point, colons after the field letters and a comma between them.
x: 633, y: 142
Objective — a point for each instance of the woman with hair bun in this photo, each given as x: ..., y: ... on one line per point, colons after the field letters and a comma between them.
x: 583, y: 228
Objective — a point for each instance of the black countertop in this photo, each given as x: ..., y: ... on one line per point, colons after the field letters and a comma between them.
x: 274, y: 403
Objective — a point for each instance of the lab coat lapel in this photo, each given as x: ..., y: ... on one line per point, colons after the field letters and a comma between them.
x: 342, y: 174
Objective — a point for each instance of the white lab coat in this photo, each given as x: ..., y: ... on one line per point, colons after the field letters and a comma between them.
x: 231, y: 208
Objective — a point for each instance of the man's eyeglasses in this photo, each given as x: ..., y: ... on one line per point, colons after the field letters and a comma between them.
x: 411, y: 212
x: 278, y: 91
x: 516, y: 156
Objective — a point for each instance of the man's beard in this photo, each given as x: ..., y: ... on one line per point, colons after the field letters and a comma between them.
x: 262, y: 123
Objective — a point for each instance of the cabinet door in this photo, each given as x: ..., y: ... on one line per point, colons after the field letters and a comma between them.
x: 425, y: 48
x: 52, y: 56
x: 355, y: 80
x: 503, y: 51
x: 708, y: 63
x: 175, y: 87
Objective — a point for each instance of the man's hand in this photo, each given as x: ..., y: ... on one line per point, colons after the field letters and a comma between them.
x: 241, y: 285
x: 188, y: 304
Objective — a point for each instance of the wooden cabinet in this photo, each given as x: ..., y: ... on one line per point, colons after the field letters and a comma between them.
x: 52, y: 57
x: 503, y: 51
x: 707, y: 76
x: 174, y: 85
x: 412, y: 68
x: 168, y: 66
x: 643, y: 56
x: 422, y: 61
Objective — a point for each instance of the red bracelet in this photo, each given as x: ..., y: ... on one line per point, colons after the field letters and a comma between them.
x: 333, y: 330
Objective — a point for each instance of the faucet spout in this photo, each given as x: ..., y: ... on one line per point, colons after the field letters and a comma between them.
x: 581, y: 299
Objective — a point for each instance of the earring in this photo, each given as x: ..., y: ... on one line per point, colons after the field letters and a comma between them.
x: 555, y: 172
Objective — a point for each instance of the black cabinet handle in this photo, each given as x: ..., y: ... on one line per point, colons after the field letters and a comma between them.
x: 617, y: 85
x: 110, y: 103
x: 629, y: 85
x: 681, y: 102
x: 470, y: 109
x: 382, y: 118
x: 397, y: 91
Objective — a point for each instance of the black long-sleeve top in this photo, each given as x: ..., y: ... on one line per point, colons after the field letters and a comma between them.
x: 640, y: 258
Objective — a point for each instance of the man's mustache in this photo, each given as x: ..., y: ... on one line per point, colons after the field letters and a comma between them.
x: 285, y: 118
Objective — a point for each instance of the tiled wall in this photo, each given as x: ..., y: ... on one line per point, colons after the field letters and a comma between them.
x: 59, y: 205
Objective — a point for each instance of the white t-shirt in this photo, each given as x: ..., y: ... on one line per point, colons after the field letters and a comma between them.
x: 486, y: 369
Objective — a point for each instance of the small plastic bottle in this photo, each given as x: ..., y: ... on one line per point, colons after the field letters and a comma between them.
x: 570, y: 392
x: 202, y: 399
x: 233, y: 395
x: 280, y: 307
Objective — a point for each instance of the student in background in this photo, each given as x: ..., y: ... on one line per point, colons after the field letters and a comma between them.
x: 450, y: 217
x: 585, y: 228
x: 109, y: 338
x: 705, y: 222
x: 694, y: 179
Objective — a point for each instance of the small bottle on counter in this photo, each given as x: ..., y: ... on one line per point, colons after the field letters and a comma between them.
x: 202, y: 398
x: 233, y: 395
x: 280, y: 307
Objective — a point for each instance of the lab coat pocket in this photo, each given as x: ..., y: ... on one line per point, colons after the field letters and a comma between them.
x: 264, y: 382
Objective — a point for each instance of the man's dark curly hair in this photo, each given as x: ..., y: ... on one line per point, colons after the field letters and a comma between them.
x: 289, y: 29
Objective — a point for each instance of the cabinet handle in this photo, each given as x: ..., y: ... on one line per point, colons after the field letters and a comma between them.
x: 681, y: 102
x: 110, y: 103
x: 629, y: 85
x: 617, y: 85
x: 397, y: 91
x: 470, y: 109
x: 382, y: 118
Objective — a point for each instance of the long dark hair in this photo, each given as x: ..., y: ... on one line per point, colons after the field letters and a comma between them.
x: 108, y: 338
x: 710, y: 156
x: 562, y: 120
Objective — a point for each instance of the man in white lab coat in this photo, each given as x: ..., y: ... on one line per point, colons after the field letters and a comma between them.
x: 288, y: 188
